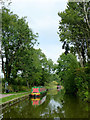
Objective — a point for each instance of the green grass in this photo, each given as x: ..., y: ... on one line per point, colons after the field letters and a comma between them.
x: 5, y: 99
x: 15, y: 92
x: 51, y: 86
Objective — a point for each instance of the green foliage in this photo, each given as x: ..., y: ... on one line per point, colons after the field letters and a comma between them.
x: 66, y: 71
x: 74, y: 78
x: 51, y: 85
x: 82, y: 83
x: 74, y: 33
x: 17, y: 88
x: 74, y: 29
x: 16, y: 38
x: 10, y: 88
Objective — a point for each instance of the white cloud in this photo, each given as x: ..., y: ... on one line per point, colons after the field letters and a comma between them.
x: 45, y: 23
x: 53, y: 51
x: 38, y: 4
x: 42, y: 16
x: 40, y: 1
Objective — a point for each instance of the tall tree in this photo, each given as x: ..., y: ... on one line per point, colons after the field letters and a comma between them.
x: 66, y: 71
x: 74, y: 29
x: 16, y: 36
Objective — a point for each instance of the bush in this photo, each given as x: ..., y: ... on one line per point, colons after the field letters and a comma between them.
x: 19, y: 88
x: 82, y: 83
x: 10, y: 88
x: 3, y: 89
x: 24, y: 88
x: 15, y: 88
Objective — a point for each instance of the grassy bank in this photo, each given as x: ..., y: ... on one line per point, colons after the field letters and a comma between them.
x: 51, y: 85
x: 16, y: 95
x: 19, y: 92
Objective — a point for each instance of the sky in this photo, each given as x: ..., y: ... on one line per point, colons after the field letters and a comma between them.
x: 42, y: 17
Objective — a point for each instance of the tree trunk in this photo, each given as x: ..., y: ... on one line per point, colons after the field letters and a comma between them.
x: 81, y: 60
x: 3, y: 69
x: 27, y: 84
x: 7, y: 66
x: 85, y: 11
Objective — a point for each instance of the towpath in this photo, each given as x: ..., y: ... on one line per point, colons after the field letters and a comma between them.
x: 5, y: 95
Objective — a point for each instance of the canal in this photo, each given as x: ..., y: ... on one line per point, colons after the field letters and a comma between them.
x: 54, y: 105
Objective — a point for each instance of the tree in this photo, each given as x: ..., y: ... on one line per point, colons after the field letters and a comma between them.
x: 50, y: 65
x: 44, y: 65
x: 16, y: 37
x: 66, y: 71
x: 74, y: 29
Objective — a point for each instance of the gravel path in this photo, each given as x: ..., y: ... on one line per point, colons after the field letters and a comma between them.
x: 4, y: 95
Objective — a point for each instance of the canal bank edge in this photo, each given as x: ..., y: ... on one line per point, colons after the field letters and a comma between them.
x: 12, y: 102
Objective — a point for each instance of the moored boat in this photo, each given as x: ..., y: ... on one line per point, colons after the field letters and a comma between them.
x: 58, y: 87
x: 38, y: 91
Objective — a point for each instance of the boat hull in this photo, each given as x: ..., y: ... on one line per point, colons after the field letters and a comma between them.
x: 36, y: 95
x: 37, y: 92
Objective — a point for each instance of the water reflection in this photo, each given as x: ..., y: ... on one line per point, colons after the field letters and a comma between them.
x: 38, y: 101
x: 53, y: 105
x: 53, y: 91
x: 53, y: 109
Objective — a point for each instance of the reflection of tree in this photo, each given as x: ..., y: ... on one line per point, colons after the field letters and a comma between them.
x: 73, y: 107
x: 52, y: 92
x: 70, y: 108
x: 32, y: 111
x: 25, y: 110
x: 60, y: 96
x: 54, y: 108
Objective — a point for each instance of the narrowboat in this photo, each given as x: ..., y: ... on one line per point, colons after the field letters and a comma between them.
x: 38, y: 91
x: 58, y: 87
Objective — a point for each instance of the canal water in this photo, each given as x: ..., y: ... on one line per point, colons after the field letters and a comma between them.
x: 54, y: 105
